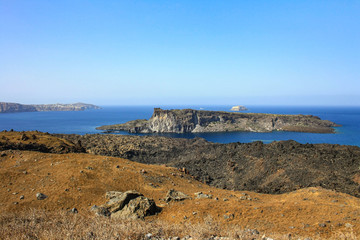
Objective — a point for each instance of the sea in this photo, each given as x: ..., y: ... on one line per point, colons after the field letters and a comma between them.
x: 85, y: 122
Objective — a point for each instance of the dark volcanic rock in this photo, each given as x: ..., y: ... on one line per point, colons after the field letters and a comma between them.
x: 188, y: 120
x: 277, y: 167
x: 42, y: 143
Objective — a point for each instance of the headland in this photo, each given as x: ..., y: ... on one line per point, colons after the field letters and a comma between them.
x: 6, y: 107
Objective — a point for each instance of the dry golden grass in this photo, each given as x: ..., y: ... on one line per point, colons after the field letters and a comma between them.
x: 39, y: 224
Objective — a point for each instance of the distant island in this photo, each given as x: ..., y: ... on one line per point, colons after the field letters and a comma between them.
x: 6, y: 107
x: 196, y: 121
x: 238, y: 108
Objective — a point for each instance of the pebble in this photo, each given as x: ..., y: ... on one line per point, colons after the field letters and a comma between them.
x: 74, y: 210
x: 40, y: 196
x: 229, y: 216
x: 253, y: 231
x: 22, y: 197
x: 348, y: 225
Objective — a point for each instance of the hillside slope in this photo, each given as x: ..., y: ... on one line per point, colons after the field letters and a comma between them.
x: 81, y: 180
x: 277, y: 167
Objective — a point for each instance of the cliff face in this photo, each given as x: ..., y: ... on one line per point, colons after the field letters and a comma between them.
x: 17, y: 107
x: 188, y: 120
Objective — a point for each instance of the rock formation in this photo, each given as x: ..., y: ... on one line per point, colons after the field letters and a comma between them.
x: 173, y: 195
x: 17, y: 107
x: 126, y: 205
x: 192, y: 121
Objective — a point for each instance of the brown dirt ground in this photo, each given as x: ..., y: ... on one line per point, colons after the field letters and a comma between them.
x: 81, y: 180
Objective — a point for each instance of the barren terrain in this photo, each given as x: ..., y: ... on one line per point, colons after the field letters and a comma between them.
x: 80, y: 180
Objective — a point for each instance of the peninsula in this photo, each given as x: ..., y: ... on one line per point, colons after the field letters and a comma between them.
x: 195, y: 121
x: 6, y: 107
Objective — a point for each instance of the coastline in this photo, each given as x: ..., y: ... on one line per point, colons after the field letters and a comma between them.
x: 85, y: 122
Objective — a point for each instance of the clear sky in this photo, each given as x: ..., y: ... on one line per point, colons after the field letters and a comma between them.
x: 132, y: 52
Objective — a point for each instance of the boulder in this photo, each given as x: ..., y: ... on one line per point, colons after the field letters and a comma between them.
x: 173, y: 195
x: 112, y: 194
x: 139, y: 207
x: 126, y: 205
x: 118, y: 200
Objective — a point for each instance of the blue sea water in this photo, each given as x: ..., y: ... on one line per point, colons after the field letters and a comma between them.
x: 86, y: 121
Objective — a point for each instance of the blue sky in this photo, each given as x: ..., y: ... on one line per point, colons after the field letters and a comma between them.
x: 180, y: 52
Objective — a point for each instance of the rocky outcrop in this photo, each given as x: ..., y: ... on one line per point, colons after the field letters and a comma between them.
x: 17, y: 107
x: 126, y: 205
x: 192, y: 121
x: 173, y: 195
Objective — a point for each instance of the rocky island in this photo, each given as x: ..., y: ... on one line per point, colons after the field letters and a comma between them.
x: 238, y: 108
x: 6, y: 107
x: 195, y: 121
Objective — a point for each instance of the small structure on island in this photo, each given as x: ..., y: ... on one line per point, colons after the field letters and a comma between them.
x: 238, y: 108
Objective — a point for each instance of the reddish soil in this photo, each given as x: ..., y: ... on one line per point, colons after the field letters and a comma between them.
x: 81, y: 180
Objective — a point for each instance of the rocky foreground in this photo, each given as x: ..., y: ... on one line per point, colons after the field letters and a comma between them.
x: 193, y: 121
x: 6, y: 107
x: 87, y: 196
